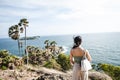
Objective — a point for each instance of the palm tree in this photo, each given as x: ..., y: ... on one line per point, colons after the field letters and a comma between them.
x: 24, y: 23
x: 47, y: 42
x: 53, y: 43
x: 13, y: 32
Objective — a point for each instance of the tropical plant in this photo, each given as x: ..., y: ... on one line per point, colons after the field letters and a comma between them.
x: 3, y: 67
x: 4, y: 53
x: 52, y: 64
x: 113, y: 71
x: 53, y: 43
x: 60, y: 49
x: 63, y: 60
x: 23, y: 24
x: 13, y: 32
x: 6, y: 59
x: 0, y: 61
x: 37, y: 56
x: 47, y: 42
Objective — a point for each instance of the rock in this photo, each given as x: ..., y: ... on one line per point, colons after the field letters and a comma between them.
x: 54, y: 77
x: 94, y: 75
x: 42, y: 73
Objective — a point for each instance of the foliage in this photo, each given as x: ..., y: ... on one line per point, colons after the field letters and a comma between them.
x: 50, y: 45
x: 52, y: 64
x: 6, y: 59
x: 24, y: 58
x: 13, y: 32
x: 3, y: 67
x: 113, y: 71
x: 3, y: 53
x: 47, y: 59
x: 37, y: 56
x: 63, y: 60
x: 53, y: 43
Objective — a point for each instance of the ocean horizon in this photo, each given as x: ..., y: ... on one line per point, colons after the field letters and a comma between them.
x: 103, y: 47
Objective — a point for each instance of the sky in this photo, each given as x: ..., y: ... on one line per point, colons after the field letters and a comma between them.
x: 59, y: 17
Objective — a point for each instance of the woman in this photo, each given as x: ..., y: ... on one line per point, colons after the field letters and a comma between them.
x: 76, y: 54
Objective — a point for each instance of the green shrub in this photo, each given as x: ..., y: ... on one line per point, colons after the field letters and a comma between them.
x: 3, y: 67
x: 6, y: 58
x: 52, y: 64
x: 3, y: 53
x: 64, y: 61
x: 37, y: 56
x: 24, y: 58
x: 0, y: 61
x: 113, y: 71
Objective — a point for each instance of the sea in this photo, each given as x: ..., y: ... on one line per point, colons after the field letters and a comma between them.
x: 103, y: 47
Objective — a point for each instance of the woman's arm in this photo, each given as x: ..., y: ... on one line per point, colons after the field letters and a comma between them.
x: 71, y: 58
x: 88, y: 55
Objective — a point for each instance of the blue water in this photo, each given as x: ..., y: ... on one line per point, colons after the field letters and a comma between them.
x: 103, y: 47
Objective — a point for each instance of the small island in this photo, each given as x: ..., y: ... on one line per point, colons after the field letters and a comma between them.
x: 30, y: 38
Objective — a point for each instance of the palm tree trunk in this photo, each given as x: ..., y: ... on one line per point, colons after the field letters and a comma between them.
x: 26, y: 45
x: 18, y: 46
x: 25, y: 38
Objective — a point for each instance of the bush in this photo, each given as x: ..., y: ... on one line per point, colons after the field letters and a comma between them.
x: 52, y: 64
x: 0, y: 61
x: 113, y: 71
x: 63, y: 60
x: 3, y: 67
x: 3, y: 53
x: 6, y: 59
x: 36, y: 56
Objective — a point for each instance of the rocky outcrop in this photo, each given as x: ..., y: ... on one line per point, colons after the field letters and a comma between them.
x: 93, y: 75
x: 48, y: 76
x: 41, y: 73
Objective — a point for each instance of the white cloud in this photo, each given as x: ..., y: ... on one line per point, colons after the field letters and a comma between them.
x: 83, y: 15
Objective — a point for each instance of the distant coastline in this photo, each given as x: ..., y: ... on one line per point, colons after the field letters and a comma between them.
x: 30, y: 38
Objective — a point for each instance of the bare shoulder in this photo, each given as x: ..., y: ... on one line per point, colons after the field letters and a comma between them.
x: 71, y: 51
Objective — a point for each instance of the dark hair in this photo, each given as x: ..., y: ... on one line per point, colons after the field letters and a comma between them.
x: 77, y: 41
